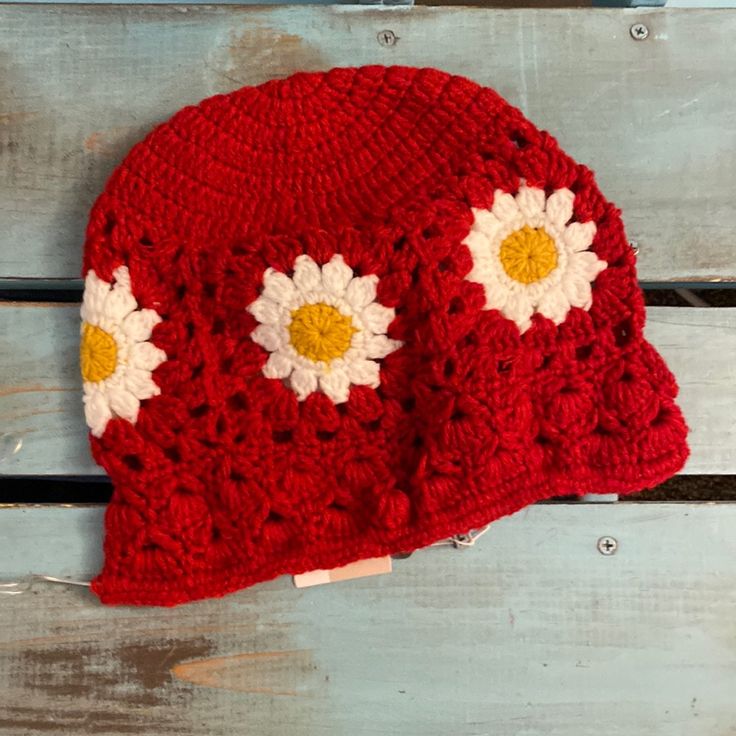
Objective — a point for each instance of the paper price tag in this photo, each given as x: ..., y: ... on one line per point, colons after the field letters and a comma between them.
x: 359, y: 569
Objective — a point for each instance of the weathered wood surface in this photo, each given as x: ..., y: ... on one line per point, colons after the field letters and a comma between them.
x: 656, y: 119
x: 42, y: 429
x: 533, y: 631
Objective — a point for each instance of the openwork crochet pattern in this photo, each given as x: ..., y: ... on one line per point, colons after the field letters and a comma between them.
x: 348, y: 314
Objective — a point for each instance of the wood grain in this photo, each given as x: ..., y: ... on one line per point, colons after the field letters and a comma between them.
x: 533, y: 631
x: 42, y: 430
x: 655, y: 119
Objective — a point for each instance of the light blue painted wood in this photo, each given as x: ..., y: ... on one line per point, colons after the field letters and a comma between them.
x: 628, y: 3
x: 655, y: 119
x: 179, y: 2
x: 531, y: 633
x: 62, y: 541
x: 41, y: 415
x: 42, y: 429
x: 701, y: 4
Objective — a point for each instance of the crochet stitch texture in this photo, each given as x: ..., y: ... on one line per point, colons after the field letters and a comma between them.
x: 347, y: 314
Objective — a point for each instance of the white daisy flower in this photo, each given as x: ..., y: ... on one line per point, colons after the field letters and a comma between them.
x: 323, y: 328
x: 529, y: 259
x: 116, y: 357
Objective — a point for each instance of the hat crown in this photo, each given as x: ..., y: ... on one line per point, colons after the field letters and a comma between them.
x: 317, y: 149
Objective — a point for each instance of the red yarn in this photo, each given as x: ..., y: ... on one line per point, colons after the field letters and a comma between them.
x: 226, y: 478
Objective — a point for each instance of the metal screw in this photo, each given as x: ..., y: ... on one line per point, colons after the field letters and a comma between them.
x: 607, y: 546
x: 639, y: 31
x: 387, y: 38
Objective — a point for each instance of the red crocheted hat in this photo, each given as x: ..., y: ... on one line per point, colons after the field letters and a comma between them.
x: 345, y: 315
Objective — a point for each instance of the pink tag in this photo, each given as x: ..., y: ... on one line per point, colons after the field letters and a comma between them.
x: 359, y: 569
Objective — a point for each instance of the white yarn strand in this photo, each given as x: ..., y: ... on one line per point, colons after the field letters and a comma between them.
x: 19, y: 587
x: 22, y: 586
x: 65, y: 581
x: 463, y: 540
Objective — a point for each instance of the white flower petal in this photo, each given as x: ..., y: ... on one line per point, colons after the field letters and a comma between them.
x: 505, y: 207
x: 304, y: 382
x: 496, y: 296
x: 478, y: 243
x: 119, y: 304
x: 307, y: 274
x: 534, y: 292
x: 519, y: 309
x: 361, y: 292
x: 336, y: 384
x: 121, y: 277
x: 140, y: 383
x: 487, y: 223
x: 587, y: 264
x: 278, y: 287
x: 554, y: 305
x: 124, y: 404
x: 93, y: 284
x: 110, y: 326
x: 116, y: 380
x: 278, y: 365
x: 379, y: 346
x: 145, y: 355
x: 364, y: 373
x: 579, y: 235
x: 577, y: 290
x: 336, y: 275
x: 269, y: 337
x: 138, y: 325
x: 377, y: 318
x: 531, y: 201
x: 559, y: 207
x: 267, y: 311
x: 97, y: 411
x: 485, y: 270
x: 93, y: 301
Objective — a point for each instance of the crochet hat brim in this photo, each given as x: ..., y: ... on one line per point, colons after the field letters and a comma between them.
x: 569, y: 409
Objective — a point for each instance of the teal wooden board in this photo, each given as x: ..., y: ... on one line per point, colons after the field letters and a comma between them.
x: 62, y: 541
x: 530, y: 633
x: 181, y: 2
x: 701, y: 3
x: 655, y: 118
x: 42, y: 429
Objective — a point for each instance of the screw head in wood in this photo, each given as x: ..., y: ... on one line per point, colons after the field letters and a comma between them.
x: 607, y: 546
x: 639, y: 31
x: 387, y: 38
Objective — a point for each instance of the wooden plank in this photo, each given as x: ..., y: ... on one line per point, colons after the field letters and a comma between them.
x: 654, y: 118
x: 43, y: 431
x: 701, y: 3
x: 71, y: 547
x: 533, y: 631
x: 180, y: 2
x: 699, y: 345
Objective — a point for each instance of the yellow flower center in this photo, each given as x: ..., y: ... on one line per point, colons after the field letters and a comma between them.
x: 528, y: 255
x: 98, y: 353
x: 320, y: 332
